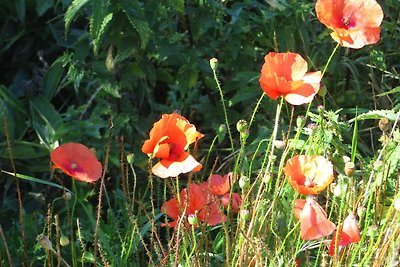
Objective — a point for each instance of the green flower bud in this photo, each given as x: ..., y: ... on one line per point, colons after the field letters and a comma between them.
x: 64, y: 241
x: 192, y: 219
x: 67, y: 196
x: 244, y: 182
x: 245, y: 214
x: 130, y: 158
x: 241, y: 126
x: 300, y: 121
x: 213, y: 63
x: 349, y: 169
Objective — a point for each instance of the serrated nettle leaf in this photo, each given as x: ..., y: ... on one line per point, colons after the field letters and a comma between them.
x: 376, y: 114
x: 72, y: 10
x: 135, y: 15
x: 101, y: 32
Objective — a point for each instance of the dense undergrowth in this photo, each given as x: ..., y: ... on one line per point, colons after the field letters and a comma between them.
x: 101, y: 72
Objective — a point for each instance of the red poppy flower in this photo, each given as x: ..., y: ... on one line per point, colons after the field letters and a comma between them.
x: 313, y: 221
x: 169, y: 141
x: 285, y: 74
x: 220, y: 185
x: 77, y: 161
x: 355, y: 23
x: 309, y: 175
x: 236, y: 201
x: 193, y: 201
x: 348, y: 233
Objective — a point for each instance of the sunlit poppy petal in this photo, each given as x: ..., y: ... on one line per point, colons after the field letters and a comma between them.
x: 355, y: 23
x: 285, y: 74
x: 309, y: 175
x: 348, y: 233
x: 77, y: 161
x: 170, y: 137
x: 166, y: 168
x: 218, y: 184
x: 313, y: 221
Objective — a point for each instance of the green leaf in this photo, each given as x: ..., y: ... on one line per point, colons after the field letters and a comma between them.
x: 36, y: 180
x: 99, y: 22
x: 24, y: 150
x: 393, y: 91
x: 52, y: 79
x: 72, y: 10
x: 376, y: 114
x: 45, y: 120
x: 135, y: 15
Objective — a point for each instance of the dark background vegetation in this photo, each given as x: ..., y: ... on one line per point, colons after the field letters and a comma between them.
x: 68, y: 70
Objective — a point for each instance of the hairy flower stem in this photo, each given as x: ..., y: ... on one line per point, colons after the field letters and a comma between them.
x: 224, y: 109
x: 99, y: 205
x: 329, y: 60
x: 20, y: 211
x: 267, y: 172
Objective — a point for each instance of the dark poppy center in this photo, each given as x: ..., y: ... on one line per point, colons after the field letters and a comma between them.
x: 348, y: 22
x: 74, y: 166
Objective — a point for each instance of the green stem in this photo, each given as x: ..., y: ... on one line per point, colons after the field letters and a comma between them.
x: 224, y: 108
x: 329, y: 60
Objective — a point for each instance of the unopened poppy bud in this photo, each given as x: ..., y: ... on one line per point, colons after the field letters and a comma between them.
x: 279, y: 144
x: 130, y: 158
x: 349, y: 168
x: 221, y: 133
x: 338, y: 190
x: 322, y: 91
x: 245, y: 134
x: 300, y: 121
x: 360, y: 211
x: 241, y: 126
x: 192, y: 219
x: 384, y: 124
x: 245, y: 214
x: 372, y: 231
x: 213, y: 63
x: 67, y: 196
x: 64, y: 241
x: 378, y: 165
x: 222, y: 129
x: 397, y: 204
x: 44, y: 241
x: 244, y: 182
x: 267, y: 178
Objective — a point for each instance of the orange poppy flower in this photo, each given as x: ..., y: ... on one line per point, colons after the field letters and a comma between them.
x: 313, y: 221
x: 169, y: 141
x: 219, y: 185
x: 348, y: 233
x: 285, y: 74
x: 309, y: 175
x: 193, y: 201
x: 355, y: 23
x: 77, y: 161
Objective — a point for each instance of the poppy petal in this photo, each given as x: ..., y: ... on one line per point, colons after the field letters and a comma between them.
x: 77, y: 161
x: 166, y: 168
x: 313, y: 221
x: 220, y: 185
